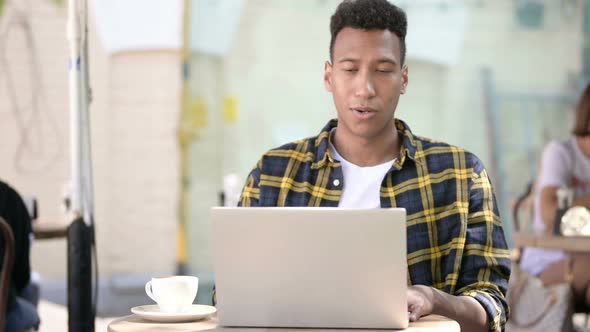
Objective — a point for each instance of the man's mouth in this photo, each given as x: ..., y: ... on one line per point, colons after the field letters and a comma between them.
x: 363, y: 109
x: 364, y: 112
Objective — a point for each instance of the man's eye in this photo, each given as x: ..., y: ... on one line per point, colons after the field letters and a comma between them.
x: 350, y: 70
x: 384, y: 70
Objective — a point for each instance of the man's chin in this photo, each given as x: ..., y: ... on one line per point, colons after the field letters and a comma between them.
x: 367, y: 130
x: 366, y: 134
x: 370, y: 131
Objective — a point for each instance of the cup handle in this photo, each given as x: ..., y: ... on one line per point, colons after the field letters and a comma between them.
x: 148, y: 290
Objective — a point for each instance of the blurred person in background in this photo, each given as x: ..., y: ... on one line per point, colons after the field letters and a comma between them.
x: 21, y: 312
x: 366, y: 158
x: 564, y: 163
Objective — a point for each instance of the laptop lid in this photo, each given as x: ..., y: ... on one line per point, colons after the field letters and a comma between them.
x: 310, y: 267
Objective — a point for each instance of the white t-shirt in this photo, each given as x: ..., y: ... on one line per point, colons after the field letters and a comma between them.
x: 362, y: 185
x: 563, y: 163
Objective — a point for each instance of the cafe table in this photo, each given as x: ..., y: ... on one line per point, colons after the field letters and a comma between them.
x: 566, y: 243
x: 134, y: 323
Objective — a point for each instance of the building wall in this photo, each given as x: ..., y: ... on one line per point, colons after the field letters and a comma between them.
x: 134, y: 117
x: 275, y: 71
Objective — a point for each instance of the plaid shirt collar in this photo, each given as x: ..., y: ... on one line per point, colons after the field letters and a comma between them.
x: 409, y: 148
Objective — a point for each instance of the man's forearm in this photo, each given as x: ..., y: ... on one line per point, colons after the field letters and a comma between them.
x: 464, y: 309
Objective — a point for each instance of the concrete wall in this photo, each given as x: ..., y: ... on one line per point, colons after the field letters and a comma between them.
x: 134, y: 119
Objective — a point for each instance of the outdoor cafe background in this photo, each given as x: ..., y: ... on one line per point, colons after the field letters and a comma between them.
x: 178, y: 104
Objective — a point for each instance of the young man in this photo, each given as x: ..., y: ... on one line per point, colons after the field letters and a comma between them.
x: 457, y: 255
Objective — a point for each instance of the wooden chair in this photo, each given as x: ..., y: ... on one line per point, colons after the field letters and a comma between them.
x: 6, y: 269
x: 517, y: 212
x: 43, y: 228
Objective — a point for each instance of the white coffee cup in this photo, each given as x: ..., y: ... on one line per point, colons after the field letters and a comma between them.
x: 173, y: 294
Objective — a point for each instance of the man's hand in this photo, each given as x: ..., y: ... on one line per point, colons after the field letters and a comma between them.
x: 420, y: 301
x: 425, y: 300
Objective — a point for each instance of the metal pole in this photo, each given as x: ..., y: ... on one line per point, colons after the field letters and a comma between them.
x: 184, y: 139
x: 85, y: 94
x: 81, y: 311
x: 74, y: 38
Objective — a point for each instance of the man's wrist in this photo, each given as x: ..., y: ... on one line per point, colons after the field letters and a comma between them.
x: 434, y: 297
x: 464, y: 309
x: 440, y: 302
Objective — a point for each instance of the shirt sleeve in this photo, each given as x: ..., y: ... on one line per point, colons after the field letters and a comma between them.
x: 485, y: 265
x: 556, y: 165
x: 250, y: 196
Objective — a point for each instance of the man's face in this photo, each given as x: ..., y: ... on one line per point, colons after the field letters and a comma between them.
x: 366, y: 79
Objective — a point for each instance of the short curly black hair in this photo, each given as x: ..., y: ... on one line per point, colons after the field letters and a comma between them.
x: 370, y: 15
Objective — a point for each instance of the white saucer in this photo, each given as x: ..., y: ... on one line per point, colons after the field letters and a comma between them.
x: 152, y: 312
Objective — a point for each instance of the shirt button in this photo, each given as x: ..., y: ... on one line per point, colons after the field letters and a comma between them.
x: 336, y: 182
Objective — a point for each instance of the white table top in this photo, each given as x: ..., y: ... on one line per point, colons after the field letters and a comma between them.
x: 567, y: 243
x: 134, y: 323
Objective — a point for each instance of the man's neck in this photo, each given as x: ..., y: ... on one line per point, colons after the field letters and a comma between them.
x: 366, y: 152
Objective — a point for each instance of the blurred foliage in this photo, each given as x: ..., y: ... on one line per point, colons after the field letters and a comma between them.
x: 1, y: 6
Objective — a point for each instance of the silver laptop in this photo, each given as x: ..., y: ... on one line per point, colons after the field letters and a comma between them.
x: 310, y: 267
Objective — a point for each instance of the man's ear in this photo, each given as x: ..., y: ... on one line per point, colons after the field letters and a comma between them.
x: 404, y: 85
x: 328, y: 76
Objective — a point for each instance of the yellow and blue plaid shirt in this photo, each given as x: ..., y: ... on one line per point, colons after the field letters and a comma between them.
x: 455, y: 240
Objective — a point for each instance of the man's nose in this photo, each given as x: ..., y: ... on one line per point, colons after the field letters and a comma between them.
x: 365, y: 86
